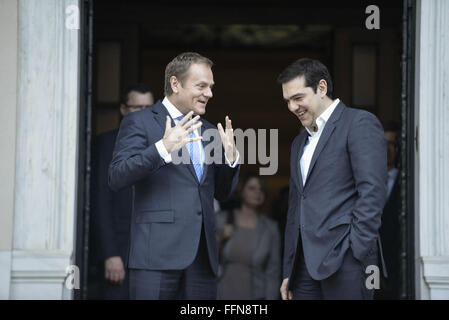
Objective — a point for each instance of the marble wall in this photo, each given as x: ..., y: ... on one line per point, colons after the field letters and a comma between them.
x: 8, y: 93
x: 46, y: 150
x: 432, y: 102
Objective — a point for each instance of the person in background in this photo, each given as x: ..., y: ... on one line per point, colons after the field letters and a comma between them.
x: 279, y: 211
x: 111, y: 211
x: 250, y: 248
x: 390, y: 229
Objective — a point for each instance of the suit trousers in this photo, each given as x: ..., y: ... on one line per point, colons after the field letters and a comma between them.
x: 196, y: 282
x: 347, y: 283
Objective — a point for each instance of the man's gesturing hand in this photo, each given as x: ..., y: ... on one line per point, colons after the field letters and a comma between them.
x: 178, y: 136
x: 227, y: 139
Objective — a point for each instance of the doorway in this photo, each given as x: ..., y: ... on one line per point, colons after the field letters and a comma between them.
x: 250, y: 43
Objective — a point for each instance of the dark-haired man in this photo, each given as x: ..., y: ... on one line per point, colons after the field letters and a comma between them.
x: 173, y: 252
x: 111, y: 211
x: 337, y: 191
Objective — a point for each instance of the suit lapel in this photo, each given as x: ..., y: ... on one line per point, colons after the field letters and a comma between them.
x: 160, y: 112
x: 301, y: 143
x: 325, y: 135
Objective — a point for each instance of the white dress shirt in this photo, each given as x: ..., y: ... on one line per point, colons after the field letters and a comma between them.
x: 175, y: 113
x: 313, y: 139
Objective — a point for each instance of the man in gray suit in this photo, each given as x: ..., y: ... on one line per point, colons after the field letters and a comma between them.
x: 173, y: 251
x: 338, y: 185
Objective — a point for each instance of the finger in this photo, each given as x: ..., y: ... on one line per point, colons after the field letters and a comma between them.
x: 290, y: 295
x: 186, y: 117
x: 228, y: 123
x: 221, y: 131
x: 283, y: 294
x: 190, y: 123
x: 194, y: 127
x: 117, y: 278
x: 193, y: 139
x: 167, y: 123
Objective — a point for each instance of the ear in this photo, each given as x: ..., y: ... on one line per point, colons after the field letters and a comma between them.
x: 123, y: 109
x: 174, y: 83
x: 322, y: 88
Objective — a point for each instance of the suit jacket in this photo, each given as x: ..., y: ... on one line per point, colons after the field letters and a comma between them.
x: 111, y: 211
x: 341, y: 203
x: 170, y: 205
x: 266, y: 257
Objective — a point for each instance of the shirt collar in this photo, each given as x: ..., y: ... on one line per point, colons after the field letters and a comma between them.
x: 172, y: 110
x: 324, y: 117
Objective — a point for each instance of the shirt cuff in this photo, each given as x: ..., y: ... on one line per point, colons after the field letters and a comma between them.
x: 163, y: 151
x: 236, y: 162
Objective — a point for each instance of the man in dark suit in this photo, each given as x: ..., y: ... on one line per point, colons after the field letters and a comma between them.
x: 111, y: 211
x: 173, y: 251
x: 390, y: 230
x: 337, y: 191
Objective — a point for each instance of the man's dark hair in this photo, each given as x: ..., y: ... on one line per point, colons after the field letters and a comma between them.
x: 312, y: 70
x: 138, y: 87
x: 179, y: 66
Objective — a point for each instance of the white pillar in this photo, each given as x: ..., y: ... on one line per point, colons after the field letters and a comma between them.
x: 46, y: 151
x: 432, y: 86
x: 8, y: 93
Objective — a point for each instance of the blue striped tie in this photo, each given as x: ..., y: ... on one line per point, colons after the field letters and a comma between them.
x: 195, y: 154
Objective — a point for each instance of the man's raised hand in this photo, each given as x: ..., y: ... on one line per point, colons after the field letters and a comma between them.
x: 227, y: 139
x: 178, y: 136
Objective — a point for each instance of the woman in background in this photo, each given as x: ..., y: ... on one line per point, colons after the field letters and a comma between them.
x: 250, y: 256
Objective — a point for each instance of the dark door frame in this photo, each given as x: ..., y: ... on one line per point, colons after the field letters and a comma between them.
x: 84, y: 142
x: 408, y: 149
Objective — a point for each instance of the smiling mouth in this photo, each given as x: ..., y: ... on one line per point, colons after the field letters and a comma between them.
x: 301, y: 114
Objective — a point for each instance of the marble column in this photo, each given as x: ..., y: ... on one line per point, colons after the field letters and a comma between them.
x: 46, y: 150
x: 8, y: 92
x: 432, y: 88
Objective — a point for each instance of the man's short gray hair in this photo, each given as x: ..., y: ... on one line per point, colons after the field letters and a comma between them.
x: 179, y: 67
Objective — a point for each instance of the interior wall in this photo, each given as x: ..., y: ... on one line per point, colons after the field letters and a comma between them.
x: 388, y: 46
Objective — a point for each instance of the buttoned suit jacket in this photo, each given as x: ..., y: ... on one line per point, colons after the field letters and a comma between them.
x: 170, y: 204
x: 340, y: 205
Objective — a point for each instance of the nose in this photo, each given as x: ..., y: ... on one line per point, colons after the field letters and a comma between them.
x: 208, y: 93
x: 293, y: 107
